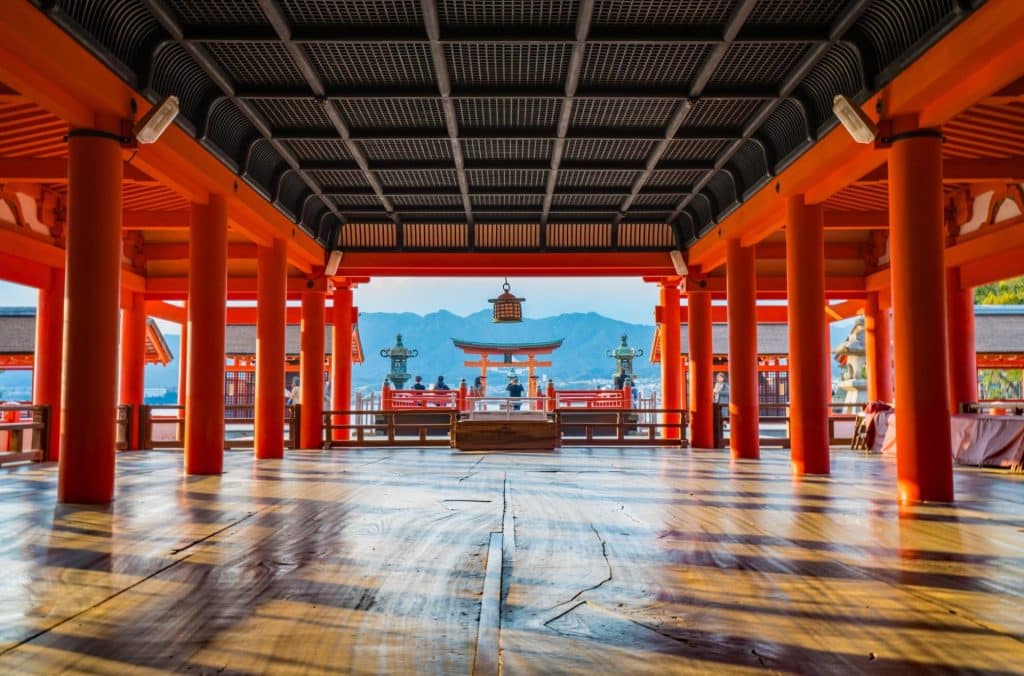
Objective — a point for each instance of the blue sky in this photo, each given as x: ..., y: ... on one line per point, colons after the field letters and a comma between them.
x: 625, y: 298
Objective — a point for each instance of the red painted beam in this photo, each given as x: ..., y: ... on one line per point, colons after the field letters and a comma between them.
x: 174, y: 252
x: 156, y: 220
x: 626, y: 264
x: 54, y: 170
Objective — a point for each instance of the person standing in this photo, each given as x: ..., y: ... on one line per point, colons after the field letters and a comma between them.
x: 418, y: 385
x: 440, y: 384
x: 515, y: 391
x: 720, y: 394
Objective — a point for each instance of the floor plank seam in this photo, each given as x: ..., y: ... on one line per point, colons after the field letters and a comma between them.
x: 488, y: 641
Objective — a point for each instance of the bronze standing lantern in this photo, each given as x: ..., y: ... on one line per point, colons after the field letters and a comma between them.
x: 507, y: 307
x: 399, y: 356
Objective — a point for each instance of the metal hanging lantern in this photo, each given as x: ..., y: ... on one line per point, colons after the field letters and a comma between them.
x: 507, y: 308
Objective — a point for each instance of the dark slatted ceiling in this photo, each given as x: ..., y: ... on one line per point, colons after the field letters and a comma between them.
x: 580, y: 124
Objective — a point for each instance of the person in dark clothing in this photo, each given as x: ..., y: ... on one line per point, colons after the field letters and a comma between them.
x: 418, y: 385
x: 515, y: 390
x: 440, y: 384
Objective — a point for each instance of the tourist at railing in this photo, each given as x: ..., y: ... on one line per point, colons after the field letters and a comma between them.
x: 515, y: 390
x: 440, y: 384
x: 418, y: 385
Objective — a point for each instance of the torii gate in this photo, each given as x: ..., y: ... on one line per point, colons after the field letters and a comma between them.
x: 484, y: 351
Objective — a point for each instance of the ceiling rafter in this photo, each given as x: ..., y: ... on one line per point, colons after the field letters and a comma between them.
x: 169, y: 21
x: 667, y: 35
x: 444, y: 86
x: 572, y: 80
x: 700, y: 82
x: 792, y: 80
x: 272, y: 10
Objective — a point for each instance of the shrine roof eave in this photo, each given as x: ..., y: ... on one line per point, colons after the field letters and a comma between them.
x: 508, y: 348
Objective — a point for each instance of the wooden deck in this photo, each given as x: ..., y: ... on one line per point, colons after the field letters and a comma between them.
x: 612, y: 561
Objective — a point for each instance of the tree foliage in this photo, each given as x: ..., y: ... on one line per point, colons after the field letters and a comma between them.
x: 1003, y: 292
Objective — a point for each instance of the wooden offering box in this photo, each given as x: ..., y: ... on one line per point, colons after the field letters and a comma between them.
x: 520, y: 433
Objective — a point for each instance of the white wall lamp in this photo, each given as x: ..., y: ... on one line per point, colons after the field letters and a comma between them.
x: 678, y: 262
x: 855, y: 120
x: 333, y: 261
x: 156, y: 121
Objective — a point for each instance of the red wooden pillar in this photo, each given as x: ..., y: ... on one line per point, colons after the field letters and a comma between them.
x: 341, y: 358
x: 207, y: 314
x: 92, y: 287
x: 963, y: 359
x: 702, y: 433
x: 741, y: 290
x: 671, y: 355
x: 385, y: 395
x: 462, y: 402
x: 808, y: 338
x: 133, y: 361
x: 878, y: 346
x: 311, y: 369
x: 924, y: 459
x: 49, y: 342
x: 271, y: 301
x: 183, y: 373
x: 550, y: 397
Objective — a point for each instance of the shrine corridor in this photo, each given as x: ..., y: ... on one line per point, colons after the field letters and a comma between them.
x: 616, y: 561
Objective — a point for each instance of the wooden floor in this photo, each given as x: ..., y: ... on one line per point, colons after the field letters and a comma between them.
x: 605, y: 560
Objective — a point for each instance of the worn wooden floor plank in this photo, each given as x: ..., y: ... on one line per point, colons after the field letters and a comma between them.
x: 630, y: 561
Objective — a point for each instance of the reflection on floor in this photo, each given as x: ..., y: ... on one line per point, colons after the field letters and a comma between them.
x: 627, y: 561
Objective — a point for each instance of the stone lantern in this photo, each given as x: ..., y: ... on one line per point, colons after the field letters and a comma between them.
x: 399, y: 356
x: 623, y: 356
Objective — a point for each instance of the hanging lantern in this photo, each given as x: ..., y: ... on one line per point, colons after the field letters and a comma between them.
x: 507, y: 308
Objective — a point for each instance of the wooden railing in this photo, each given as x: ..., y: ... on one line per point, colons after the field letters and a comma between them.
x: 721, y: 417
x: 995, y: 407
x: 400, y: 427
x: 620, y: 426
x: 15, y: 444
x: 124, y: 427
x: 163, y: 426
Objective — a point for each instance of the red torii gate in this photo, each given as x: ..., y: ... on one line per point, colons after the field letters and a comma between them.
x: 484, y: 351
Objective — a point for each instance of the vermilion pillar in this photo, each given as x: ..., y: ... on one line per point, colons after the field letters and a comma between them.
x: 924, y: 459
x: 207, y: 310
x: 341, y: 358
x: 311, y: 368
x: 671, y: 358
x: 93, y: 280
x: 133, y: 360
x: 702, y: 433
x: 49, y: 341
x: 183, y: 372
x: 963, y: 359
x: 808, y: 341
x: 878, y: 346
x: 271, y: 301
x: 741, y: 290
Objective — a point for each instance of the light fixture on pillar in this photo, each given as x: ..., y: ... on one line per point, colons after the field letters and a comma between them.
x: 155, y: 122
x: 678, y: 262
x: 855, y: 120
x: 507, y: 308
x: 333, y: 261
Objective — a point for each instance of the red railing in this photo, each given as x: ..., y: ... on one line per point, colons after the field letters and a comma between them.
x: 593, y: 399
x: 405, y: 399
